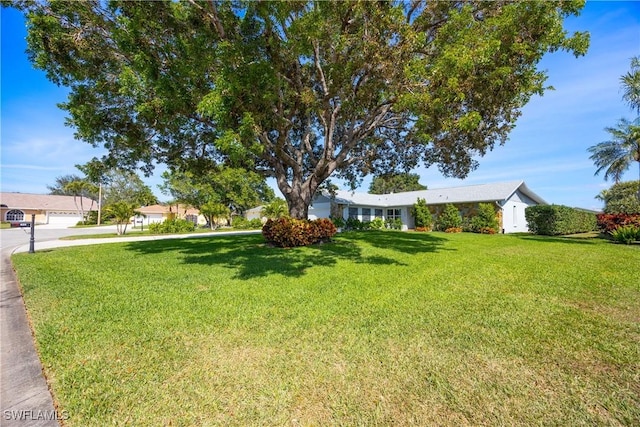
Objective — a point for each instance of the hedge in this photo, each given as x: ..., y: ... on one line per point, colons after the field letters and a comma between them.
x: 553, y: 220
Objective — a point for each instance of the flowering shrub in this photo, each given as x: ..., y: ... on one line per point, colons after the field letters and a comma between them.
x: 610, y: 222
x: 289, y: 232
x: 486, y: 230
x: 453, y: 230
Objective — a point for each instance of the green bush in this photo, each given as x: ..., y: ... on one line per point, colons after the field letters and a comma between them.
x: 354, y: 224
x: 338, y: 221
x: 553, y: 220
x: 486, y: 220
x: 393, y: 224
x: 449, y: 218
x: 241, y: 223
x: 422, y: 214
x: 376, y: 224
x: 626, y: 234
x: 172, y: 226
x: 290, y: 232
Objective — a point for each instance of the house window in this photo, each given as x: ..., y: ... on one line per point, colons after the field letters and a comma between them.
x: 378, y: 213
x: 515, y: 216
x: 192, y: 218
x: 394, y: 214
x: 353, y: 213
x: 15, y: 215
x: 366, y: 214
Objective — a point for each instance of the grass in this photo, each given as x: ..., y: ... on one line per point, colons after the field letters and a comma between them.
x: 138, y: 232
x: 378, y: 328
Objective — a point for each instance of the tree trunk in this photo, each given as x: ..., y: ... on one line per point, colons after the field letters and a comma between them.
x: 299, y: 196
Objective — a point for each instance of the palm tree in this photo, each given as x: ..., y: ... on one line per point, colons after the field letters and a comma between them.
x: 616, y: 155
x: 631, y: 85
x: 122, y: 213
x: 77, y: 188
x: 276, y: 209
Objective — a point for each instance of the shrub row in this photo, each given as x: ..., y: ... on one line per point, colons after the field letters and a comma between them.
x: 288, y: 232
x: 610, y: 222
x: 241, y: 223
x: 552, y: 220
x: 171, y: 226
x: 354, y: 224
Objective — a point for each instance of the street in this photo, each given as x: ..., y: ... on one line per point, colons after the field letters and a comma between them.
x: 12, y: 237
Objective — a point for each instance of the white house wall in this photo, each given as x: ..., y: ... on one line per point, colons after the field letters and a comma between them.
x: 513, y: 213
x: 319, y: 210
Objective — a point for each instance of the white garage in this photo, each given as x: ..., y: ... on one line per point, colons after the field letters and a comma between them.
x: 64, y: 218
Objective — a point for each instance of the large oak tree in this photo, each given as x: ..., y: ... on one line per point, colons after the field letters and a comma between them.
x: 299, y: 90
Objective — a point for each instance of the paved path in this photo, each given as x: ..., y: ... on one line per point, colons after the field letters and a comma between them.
x: 25, y: 399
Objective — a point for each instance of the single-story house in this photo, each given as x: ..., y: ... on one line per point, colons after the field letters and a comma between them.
x: 510, y: 200
x: 48, y: 209
x: 255, y: 213
x: 159, y: 213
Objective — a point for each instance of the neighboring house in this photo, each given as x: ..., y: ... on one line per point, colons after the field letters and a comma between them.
x: 255, y: 213
x: 48, y: 209
x: 159, y: 213
x: 510, y: 200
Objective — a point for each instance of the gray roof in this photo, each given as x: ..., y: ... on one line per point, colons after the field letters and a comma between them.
x: 495, y: 192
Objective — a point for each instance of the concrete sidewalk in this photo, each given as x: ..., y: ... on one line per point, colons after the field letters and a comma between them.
x: 24, y: 394
x: 25, y: 399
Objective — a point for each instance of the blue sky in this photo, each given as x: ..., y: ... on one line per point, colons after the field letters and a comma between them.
x: 547, y: 149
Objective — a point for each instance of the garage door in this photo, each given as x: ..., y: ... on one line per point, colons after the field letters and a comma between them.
x: 67, y: 219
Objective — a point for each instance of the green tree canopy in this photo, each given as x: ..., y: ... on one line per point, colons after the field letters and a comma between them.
x: 299, y: 91
x: 621, y: 198
x: 235, y: 188
x: 124, y: 186
x: 395, y: 183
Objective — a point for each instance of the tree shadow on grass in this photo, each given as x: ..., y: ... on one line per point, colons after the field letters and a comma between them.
x: 592, y: 240
x: 406, y: 242
x: 250, y: 256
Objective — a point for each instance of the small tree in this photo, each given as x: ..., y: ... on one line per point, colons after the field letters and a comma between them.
x: 422, y: 214
x: 214, y: 211
x: 449, y: 218
x: 276, y: 209
x: 121, y: 212
x: 486, y: 220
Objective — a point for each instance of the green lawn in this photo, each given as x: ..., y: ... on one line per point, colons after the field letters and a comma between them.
x: 378, y: 328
